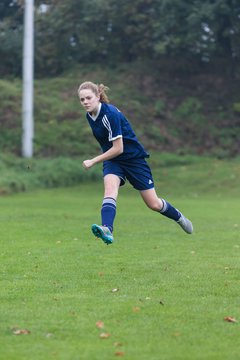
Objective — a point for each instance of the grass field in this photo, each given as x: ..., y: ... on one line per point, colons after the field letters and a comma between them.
x: 156, y: 293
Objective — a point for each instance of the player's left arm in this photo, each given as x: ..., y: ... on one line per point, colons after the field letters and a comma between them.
x: 115, y: 150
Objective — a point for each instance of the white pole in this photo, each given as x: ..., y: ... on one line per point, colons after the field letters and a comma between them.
x: 28, y: 60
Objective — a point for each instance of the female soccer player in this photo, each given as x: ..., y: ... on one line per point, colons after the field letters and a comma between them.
x: 123, y: 158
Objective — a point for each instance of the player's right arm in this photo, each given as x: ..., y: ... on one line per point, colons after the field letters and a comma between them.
x: 115, y: 150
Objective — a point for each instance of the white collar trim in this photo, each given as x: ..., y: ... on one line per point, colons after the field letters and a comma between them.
x: 95, y: 116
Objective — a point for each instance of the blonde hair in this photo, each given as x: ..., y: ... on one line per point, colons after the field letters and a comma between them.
x: 98, y: 90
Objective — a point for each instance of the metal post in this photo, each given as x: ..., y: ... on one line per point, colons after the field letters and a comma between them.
x: 28, y: 61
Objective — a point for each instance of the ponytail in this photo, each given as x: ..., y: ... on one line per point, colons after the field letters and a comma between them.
x: 102, y: 92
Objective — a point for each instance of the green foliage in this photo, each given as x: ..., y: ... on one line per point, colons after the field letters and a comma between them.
x: 186, y: 34
x: 11, y: 37
x: 10, y: 118
x: 159, y: 108
x: 9, y: 8
x: 236, y: 107
x: 199, y: 175
x: 19, y: 174
x: 191, y: 122
x: 191, y: 114
x: 187, y: 107
x: 155, y: 135
x: 191, y: 110
x: 168, y: 160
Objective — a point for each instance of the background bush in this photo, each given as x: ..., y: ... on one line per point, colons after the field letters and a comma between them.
x: 22, y: 175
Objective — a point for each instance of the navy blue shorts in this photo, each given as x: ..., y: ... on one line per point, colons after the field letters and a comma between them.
x: 136, y: 171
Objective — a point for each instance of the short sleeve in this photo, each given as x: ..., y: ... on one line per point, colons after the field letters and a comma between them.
x: 112, y: 122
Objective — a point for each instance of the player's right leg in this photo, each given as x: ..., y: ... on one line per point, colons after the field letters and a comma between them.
x: 108, y: 211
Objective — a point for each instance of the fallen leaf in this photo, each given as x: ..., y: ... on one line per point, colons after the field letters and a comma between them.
x: 119, y: 353
x: 21, y: 331
x: 136, y: 309
x: 49, y: 335
x: 177, y: 333
x: 117, y: 344
x: 230, y: 319
x: 100, y: 324
x: 104, y: 335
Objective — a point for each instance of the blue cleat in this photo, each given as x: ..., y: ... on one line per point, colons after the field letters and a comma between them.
x: 103, y: 233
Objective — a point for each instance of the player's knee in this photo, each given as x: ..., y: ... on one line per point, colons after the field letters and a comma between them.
x: 111, y: 191
x: 154, y: 205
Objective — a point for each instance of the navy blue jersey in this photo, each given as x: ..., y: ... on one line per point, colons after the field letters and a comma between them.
x: 110, y: 125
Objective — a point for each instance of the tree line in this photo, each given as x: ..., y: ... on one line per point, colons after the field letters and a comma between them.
x: 192, y: 33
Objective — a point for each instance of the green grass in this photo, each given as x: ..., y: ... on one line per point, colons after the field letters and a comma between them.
x: 174, y: 290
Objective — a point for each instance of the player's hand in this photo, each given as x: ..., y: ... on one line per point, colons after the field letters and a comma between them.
x: 87, y: 164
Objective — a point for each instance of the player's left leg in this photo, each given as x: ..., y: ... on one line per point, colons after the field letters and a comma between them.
x: 139, y: 175
x: 160, y: 205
